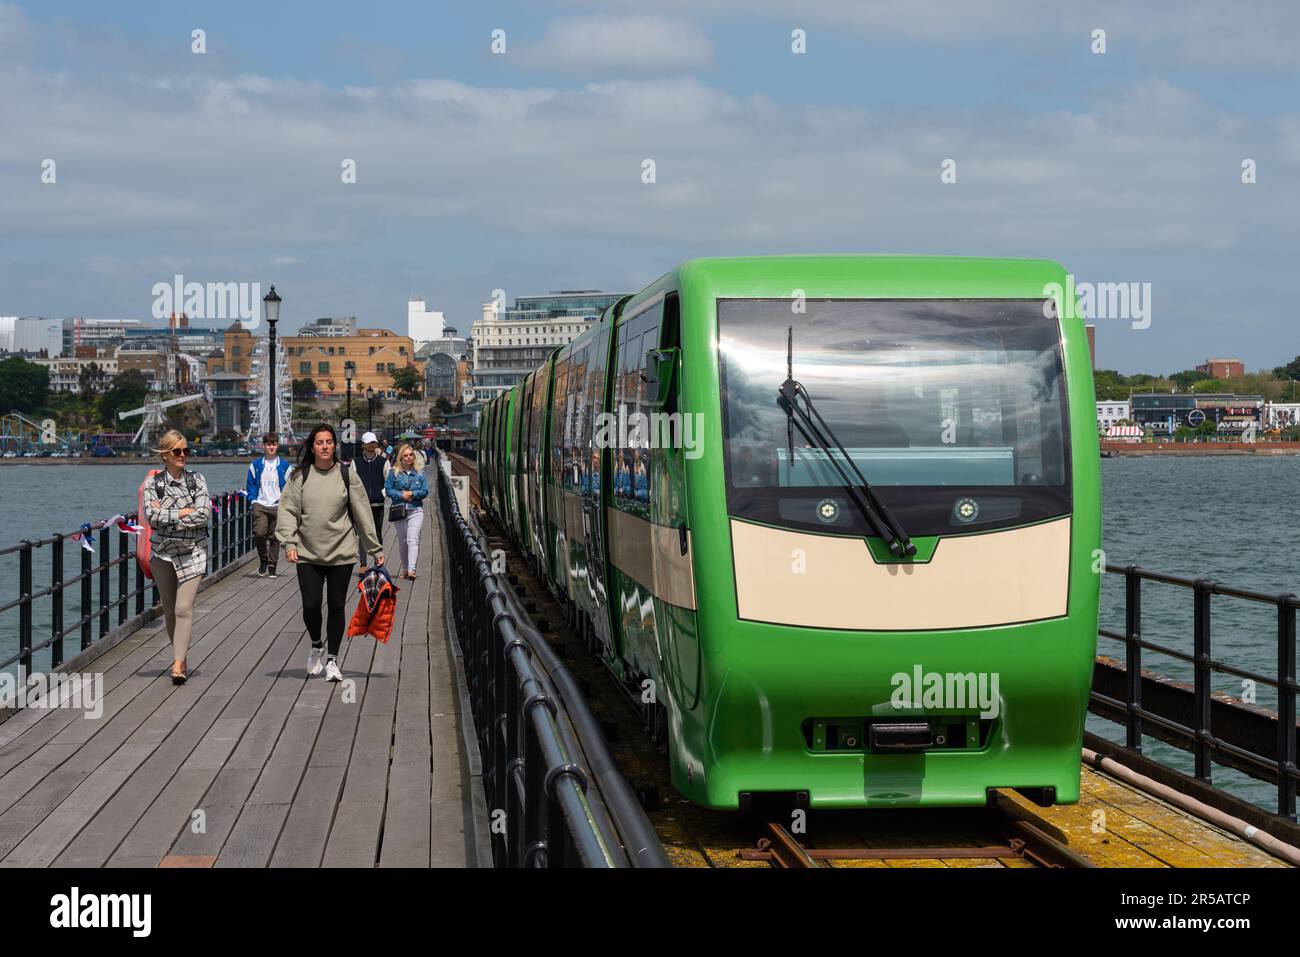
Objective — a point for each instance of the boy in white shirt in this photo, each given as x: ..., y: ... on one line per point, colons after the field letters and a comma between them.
x: 266, y: 478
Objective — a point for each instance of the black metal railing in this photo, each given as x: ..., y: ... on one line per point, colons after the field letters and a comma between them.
x: 229, y: 539
x: 1239, y: 739
x: 534, y: 775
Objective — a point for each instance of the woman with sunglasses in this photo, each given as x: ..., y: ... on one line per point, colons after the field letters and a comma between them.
x: 176, y: 506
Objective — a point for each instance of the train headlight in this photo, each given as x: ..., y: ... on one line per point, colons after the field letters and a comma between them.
x: 966, y: 510
x: 827, y: 510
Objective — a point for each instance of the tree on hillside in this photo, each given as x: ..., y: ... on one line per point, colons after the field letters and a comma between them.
x: 1184, y: 380
x: 128, y: 392
x: 304, y: 388
x: 1290, y: 371
x: 407, y: 381
x: 91, y: 378
x: 24, y: 386
x: 1207, y: 385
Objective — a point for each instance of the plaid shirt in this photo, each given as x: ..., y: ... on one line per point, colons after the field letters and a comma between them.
x: 183, y: 540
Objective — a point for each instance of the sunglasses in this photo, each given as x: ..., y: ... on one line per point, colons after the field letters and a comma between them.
x: 180, y: 453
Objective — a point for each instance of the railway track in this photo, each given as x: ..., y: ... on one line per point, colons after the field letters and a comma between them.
x: 460, y: 465
x: 1024, y: 840
x: 1002, y: 835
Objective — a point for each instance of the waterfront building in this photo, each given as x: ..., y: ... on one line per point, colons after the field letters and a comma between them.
x: 66, y: 372
x: 506, y: 345
x: 1280, y: 415
x: 1160, y: 413
x: 423, y: 325
x: 31, y: 335
x: 1223, y: 368
x: 376, y: 354
x: 1111, y: 413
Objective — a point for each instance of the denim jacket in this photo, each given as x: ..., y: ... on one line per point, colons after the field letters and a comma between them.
x: 413, y: 482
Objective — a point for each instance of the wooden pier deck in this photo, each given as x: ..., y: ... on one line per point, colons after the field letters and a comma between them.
x: 251, y: 763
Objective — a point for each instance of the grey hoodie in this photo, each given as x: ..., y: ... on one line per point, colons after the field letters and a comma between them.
x: 314, y: 517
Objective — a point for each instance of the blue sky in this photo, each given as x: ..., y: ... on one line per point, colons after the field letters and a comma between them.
x: 522, y: 171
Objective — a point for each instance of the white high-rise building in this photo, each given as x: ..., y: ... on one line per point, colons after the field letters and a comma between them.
x: 422, y: 325
x: 31, y: 335
x: 506, y: 346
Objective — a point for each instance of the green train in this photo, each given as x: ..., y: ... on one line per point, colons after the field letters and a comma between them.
x: 837, y: 518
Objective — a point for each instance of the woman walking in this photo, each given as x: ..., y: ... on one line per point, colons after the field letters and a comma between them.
x: 176, y: 506
x: 407, y: 488
x: 322, y: 509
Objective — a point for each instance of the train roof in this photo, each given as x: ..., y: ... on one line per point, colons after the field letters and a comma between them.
x: 869, y: 276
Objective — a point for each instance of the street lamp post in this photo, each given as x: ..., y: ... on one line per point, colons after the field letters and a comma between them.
x: 349, y: 370
x: 370, y: 409
x: 271, y: 304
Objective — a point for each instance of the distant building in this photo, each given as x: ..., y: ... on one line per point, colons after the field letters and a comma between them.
x: 99, y: 367
x: 1112, y: 413
x: 506, y: 347
x: 331, y: 327
x: 161, y: 363
x: 1223, y: 368
x: 440, y: 377
x: 1280, y: 415
x: 422, y: 325
x: 231, y: 402
x: 375, y: 354
x: 449, y: 343
x: 31, y: 336
x: 1092, y: 345
x: 108, y: 333
x: 235, y: 356
x: 1162, y: 412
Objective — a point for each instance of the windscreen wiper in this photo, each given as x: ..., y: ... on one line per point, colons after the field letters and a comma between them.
x: 815, y: 430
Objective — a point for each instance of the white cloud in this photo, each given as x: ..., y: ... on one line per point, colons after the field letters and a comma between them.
x: 226, y: 177
x: 633, y: 43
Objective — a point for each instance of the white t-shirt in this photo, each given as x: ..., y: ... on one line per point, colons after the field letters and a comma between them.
x: 268, y: 494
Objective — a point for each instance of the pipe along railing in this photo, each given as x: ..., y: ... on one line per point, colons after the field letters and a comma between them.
x: 527, y: 713
x: 230, y: 537
x: 1243, y: 733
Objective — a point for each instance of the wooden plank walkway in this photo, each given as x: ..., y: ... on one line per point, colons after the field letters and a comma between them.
x: 251, y: 763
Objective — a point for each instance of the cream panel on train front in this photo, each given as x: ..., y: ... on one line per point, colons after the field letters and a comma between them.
x: 824, y: 581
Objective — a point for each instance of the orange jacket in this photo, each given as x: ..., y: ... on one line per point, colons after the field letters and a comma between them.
x: 374, y: 614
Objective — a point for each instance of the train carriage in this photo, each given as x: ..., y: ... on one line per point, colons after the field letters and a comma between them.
x: 829, y: 514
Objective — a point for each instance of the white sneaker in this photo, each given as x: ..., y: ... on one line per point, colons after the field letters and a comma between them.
x: 315, y: 661
x: 332, y: 672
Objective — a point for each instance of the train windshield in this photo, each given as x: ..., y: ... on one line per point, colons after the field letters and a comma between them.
x: 953, y: 410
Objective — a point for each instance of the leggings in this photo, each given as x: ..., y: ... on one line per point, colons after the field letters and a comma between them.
x: 408, y: 538
x: 333, y: 581
x: 178, y: 604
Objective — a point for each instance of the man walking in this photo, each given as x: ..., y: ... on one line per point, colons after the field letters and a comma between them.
x: 372, y: 468
x: 266, y: 478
